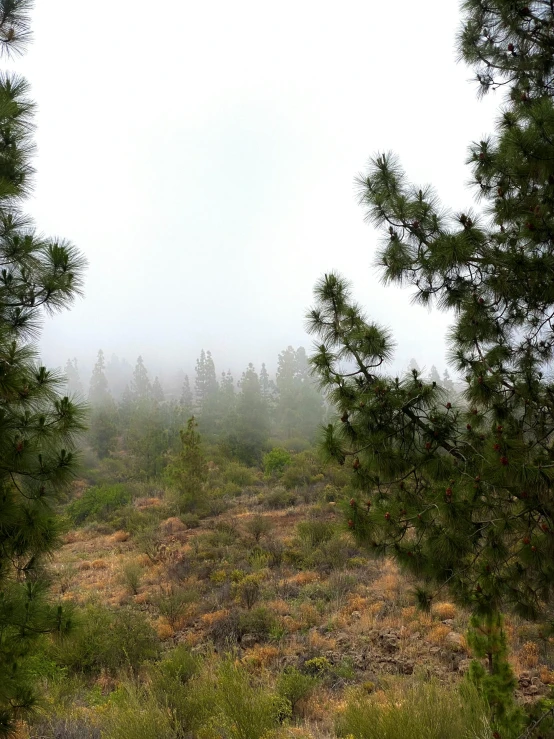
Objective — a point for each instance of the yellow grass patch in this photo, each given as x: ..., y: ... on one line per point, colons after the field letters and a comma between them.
x: 444, y: 611
x: 308, y: 615
x: 262, y: 656
x: 320, y: 643
x: 438, y: 633
x: 120, y: 536
x: 279, y: 606
x: 99, y: 564
x: 546, y: 675
x: 528, y: 655
x: 164, y: 630
x: 209, y: 619
x: 303, y: 578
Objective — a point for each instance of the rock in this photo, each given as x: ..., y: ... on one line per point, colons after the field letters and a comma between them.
x: 453, y: 639
x: 434, y: 650
x: 463, y: 665
x: 356, y: 614
x: 248, y: 640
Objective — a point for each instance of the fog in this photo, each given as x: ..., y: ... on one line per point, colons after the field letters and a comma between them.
x: 202, y: 155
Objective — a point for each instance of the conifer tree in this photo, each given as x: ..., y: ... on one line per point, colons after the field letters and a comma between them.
x: 186, y: 399
x: 38, y: 427
x: 461, y: 493
x: 141, y: 387
x: 99, y: 393
x: 206, y: 392
x: 251, y: 425
x: 73, y: 380
x: 158, y: 394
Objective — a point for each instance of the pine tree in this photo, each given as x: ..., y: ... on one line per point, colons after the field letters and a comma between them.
x: 298, y: 407
x: 186, y: 399
x: 158, y: 394
x: 141, y: 387
x: 99, y: 394
x: 251, y: 427
x: 460, y: 493
x: 206, y: 393
x: 38, y: 427
x: 434, y: 376
x: 73, y: 381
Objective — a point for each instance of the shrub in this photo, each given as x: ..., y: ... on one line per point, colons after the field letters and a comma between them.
x: 191, y: 520
x: 134, y: 712
x: 240, y: 474
x: 172, y: 602
x: 108, y: 640
x: 315, y: 532
x: 420, y: 710
x: 248, y: 590
x: 98, y: 503
x: 302, y: 470
x: 258, y: 526
x: 279, y: 497
x: 275, y: 461
x: 131, y: 576
x: 295, y: 686
x: 259, y: 622
x: 242, y: 710
x: 317, y: 666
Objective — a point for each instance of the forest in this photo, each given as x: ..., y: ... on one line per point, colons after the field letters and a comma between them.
x: 336, y: 548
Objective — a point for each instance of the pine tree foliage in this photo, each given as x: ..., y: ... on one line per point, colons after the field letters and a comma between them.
x: 141, y: 387
x: 38, y: 427
x: 461, y: 492
x: 99, y: 393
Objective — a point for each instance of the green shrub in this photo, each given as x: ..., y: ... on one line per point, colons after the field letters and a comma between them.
x: 419, y: 710
x: 240, y: 474
x: 278, y: 498
x: 131, y: 575
x: 259, y: 622
x: 302, y: 470
x: 108, y: 640
x: 275, y: 461
x: 191, y: 520
x: 242, y: 710
x: 248, y: 590
x: 134, y: 712
x: 172, y: 602
x: 315, y: 532
x: 317, y: 666
x: 258, y: 526
x: 295, y: 686
x: 98, y: 503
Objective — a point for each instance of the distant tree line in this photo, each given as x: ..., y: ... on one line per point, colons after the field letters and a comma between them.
x: 144, y: 418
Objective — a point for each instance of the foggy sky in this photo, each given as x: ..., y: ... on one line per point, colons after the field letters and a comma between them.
x: 202, y: 155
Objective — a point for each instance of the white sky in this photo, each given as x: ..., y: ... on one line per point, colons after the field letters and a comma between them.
x: 202, y: 155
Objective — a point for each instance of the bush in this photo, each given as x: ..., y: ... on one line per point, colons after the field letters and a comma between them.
x: 295, y: 686
x: 108, y: 640
x: 303, y: 469
x: 248, y: 590
x: 240, y: 474
x: 279, y: 497
x: 420, y: 710
x: 131, y: 575
x: 315, y: 532
x: 243, y: 711
x: 259, y: 622
x: 275, y: 461
x: 98, y: 503
x: 134, y: 712
x: 172, y: 604
x: 258, y: 526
